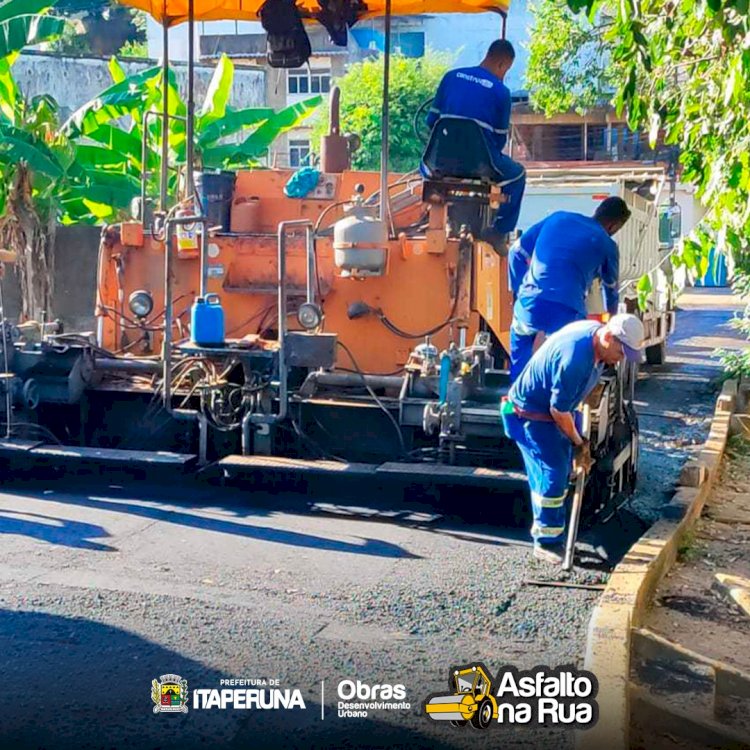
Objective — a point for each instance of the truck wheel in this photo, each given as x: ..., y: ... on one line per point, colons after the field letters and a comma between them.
x: 483, y: 716
x: 656, y: 354
x: 458, y: 722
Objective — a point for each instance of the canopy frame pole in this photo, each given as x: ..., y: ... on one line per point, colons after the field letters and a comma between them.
x: 384, y: 197
x: 165, y: 121
x: 504, y: 29
x: 190, y: 129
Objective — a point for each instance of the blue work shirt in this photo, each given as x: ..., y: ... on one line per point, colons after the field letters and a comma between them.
x: 519, y: 260
x: 479, y: 95
x: 561, y: 373
x: 565, y: 252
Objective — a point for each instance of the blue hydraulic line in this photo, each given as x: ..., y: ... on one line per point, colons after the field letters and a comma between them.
x: 445, y: 373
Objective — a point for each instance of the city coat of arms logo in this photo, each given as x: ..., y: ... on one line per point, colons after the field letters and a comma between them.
x: 169, y: 694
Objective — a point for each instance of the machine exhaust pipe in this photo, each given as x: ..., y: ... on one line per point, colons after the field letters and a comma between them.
x: 334, y: 147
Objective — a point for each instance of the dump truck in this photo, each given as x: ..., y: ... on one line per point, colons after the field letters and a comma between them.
x: 647, y: 279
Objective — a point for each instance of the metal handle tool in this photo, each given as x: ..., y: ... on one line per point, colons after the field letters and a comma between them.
x: 575, y: 516
x: 575, y: 508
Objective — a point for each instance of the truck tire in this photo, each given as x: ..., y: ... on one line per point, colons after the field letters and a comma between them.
x: 656, y: 354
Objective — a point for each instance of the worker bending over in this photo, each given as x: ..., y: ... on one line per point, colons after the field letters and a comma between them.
x: 540, y: 414
x: 551, y: 269
x: 479, y: 94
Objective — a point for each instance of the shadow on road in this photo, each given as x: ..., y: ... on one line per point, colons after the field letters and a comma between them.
x: 70, y: 683
x: 54, y: 530
x: 70, y: 534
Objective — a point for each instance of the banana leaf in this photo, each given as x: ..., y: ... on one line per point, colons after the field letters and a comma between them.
x: 256, y: 144
x: 232, y: 122
x: 218, y: 93
x: 125, y: 142
x: 12, y: 8
x: 116, y: 71
x: 9, y: 96
x: 286, y: 119
x: 17, y: 145
x: 119, y: 100
x: 97, y: 157
x: 21, y: 31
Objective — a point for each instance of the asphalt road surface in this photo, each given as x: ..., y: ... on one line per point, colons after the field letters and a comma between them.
x: 104, y: 588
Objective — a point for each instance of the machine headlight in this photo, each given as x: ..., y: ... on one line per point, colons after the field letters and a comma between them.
x: 309, y: 315
x: 141, y: 303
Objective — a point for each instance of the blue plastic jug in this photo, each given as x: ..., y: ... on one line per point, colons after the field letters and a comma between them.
x: 207, y: 321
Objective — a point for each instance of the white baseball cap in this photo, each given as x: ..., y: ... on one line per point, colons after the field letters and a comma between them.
x: 628, y: 330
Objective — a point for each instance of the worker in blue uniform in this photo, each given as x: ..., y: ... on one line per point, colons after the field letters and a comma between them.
x: 478, y: 93
x: 541, y: 414
x: 551, y: 268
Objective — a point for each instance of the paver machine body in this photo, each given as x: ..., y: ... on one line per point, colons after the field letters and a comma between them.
x: 364, y: 337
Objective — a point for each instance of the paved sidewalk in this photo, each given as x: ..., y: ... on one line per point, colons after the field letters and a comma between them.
x: 695, y: 611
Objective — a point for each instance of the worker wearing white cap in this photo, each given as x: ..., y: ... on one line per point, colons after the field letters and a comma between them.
x: 539, y: 413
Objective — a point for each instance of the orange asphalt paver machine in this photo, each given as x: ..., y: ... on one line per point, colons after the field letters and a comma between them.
x: 365, y: 325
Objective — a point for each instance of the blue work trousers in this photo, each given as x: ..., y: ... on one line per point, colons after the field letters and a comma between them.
x: 548, y: 458
x: 542, y: 317
x: 513, y: 185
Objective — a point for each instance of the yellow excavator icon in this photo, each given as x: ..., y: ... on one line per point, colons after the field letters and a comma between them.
x: 471, y: 701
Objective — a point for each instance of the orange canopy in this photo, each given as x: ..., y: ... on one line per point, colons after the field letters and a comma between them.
x: 171, y: 12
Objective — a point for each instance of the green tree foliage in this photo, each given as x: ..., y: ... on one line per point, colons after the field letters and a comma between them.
x: 412, y: 81
x: 685, y: 69
x: 569, y: 66
x: 685, y: 73
x: 101, y: 27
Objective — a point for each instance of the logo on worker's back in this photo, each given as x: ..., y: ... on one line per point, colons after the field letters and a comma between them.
x: 170, y: 694
x: 539, y: 696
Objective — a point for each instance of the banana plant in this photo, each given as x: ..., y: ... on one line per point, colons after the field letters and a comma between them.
x: 109, y: 130
x: 89, y: 168
x: 34, y: 158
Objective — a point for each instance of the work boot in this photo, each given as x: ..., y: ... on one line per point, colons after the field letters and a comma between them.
x: 551, y: 553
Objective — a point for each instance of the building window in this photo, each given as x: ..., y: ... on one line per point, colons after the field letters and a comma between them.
x: 303, y: 81
x: 299, y: 153
x: 409, y: 43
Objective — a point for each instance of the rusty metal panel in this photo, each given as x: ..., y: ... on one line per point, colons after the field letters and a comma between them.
x: 492, y: 298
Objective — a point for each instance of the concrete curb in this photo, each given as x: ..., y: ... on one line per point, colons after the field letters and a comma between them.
x: 634, y: 580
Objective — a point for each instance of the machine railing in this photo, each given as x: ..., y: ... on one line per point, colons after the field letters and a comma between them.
x: 184, y: 414
x: 251, y: 418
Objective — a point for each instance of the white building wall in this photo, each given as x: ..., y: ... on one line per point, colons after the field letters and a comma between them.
x: 73, y: 81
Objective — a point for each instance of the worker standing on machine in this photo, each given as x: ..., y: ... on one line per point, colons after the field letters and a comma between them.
x: 540, y: 414
x: 551, y: 268
x: 479, y: 93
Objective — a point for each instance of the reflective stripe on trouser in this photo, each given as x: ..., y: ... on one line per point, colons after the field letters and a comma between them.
x: 513, y: 185
x: 547, y: 455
